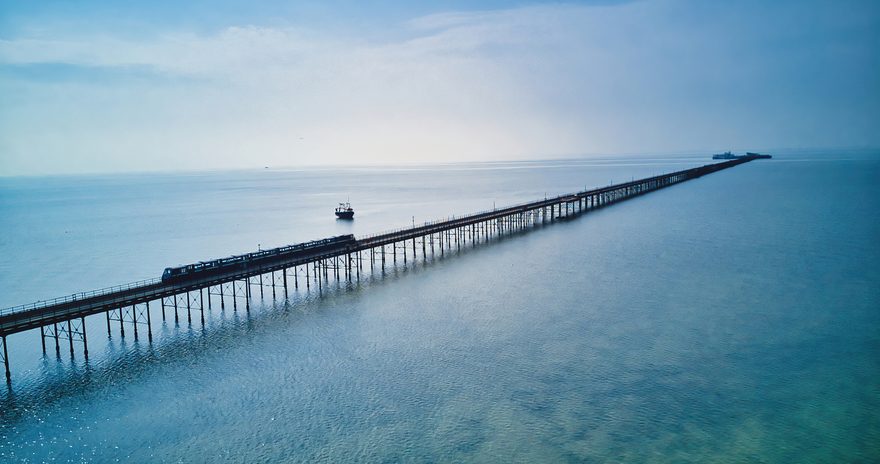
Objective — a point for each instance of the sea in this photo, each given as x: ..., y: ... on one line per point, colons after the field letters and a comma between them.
x: 730, y: 318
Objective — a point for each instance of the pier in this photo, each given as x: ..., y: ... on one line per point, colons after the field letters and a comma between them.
x: 62, y: 321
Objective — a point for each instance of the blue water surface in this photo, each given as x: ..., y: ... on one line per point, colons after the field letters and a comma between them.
x: 732, y: 318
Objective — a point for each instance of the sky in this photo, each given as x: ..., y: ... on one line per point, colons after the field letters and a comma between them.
x: 108, y: 86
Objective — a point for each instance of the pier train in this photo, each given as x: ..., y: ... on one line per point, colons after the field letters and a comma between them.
x: 243, y: 262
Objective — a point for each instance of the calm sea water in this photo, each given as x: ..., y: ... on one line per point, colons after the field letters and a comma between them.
x: 733, y: 318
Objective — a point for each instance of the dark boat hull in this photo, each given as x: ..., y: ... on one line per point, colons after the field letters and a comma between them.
x: 345, y: 214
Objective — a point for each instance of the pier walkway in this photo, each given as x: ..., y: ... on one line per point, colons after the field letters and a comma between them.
x: 64, y: 318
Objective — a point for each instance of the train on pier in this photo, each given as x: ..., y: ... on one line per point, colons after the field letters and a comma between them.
x: 224, y: 266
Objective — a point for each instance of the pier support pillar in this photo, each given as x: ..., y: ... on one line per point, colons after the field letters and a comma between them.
x: 202, y: 304
x: 85, y: 339
x: 134, y: 320
x: 70, y: 336
x: 149, y: 323
x: 6, y: 361
x: 57, y: 342
x: 247, y: 292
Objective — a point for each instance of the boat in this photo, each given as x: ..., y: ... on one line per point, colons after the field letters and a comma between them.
x: 344, y: 211
x: 725, y: 156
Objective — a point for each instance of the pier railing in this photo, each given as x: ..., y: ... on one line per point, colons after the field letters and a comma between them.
x: 428, y: 224
x: 65, y: 317
x: 78, y: 296
x: 143, y: 283
x: 390, y: 233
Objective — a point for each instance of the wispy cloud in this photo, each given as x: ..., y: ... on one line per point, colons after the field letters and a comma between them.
x: 525, y: 82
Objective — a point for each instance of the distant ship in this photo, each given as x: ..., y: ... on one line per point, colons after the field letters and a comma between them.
x: 344, y: 211
x: 729, y: 156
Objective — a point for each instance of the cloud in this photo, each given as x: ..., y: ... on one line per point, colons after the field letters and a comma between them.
x: 234, y: 49
x: 520, y: 83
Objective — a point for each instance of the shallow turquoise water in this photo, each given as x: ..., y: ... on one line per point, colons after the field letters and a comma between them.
x: 733, y: 318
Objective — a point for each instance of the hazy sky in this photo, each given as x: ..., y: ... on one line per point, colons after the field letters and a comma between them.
x: 106, y: 85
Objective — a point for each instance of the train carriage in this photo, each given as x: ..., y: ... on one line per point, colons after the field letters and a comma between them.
x: 243, y: 262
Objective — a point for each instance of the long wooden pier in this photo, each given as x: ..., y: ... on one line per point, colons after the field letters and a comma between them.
x: 64, y: 318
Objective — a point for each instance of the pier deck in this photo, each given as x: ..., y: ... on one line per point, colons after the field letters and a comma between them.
x: 64, y: 318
